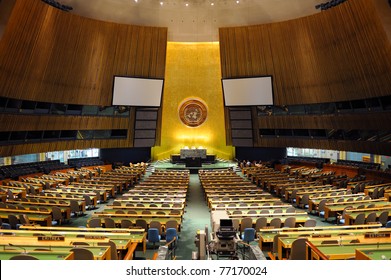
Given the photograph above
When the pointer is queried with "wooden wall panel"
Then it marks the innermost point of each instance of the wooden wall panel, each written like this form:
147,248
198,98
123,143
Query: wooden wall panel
53,56
369,121
31,123
339,54
339,145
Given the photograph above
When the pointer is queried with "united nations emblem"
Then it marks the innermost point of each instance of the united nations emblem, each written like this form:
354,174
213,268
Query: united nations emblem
193,112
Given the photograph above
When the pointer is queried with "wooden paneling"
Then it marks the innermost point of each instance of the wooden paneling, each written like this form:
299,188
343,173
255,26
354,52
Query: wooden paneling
339,54
366,121
53,56
31,123
339,145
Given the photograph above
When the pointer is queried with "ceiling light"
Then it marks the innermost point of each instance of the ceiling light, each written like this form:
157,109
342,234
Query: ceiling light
187,4
212,4
161,3
237,1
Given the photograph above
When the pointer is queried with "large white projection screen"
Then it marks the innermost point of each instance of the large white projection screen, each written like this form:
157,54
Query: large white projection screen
248,91
128,91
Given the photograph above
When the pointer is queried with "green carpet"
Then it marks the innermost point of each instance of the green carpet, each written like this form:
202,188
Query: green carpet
195,218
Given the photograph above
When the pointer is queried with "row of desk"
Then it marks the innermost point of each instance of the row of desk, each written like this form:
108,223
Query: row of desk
158,203
326,242
57,241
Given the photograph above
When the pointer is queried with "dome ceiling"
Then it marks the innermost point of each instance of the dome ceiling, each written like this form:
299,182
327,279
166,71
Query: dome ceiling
193,20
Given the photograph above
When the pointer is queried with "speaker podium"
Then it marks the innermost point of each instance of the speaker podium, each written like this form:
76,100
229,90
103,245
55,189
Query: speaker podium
193,162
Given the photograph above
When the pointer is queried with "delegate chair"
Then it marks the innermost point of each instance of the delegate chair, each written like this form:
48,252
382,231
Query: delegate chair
175,212
310,223
383,218
371,218
75,209
153,236
88,202
109,222
82,254
23,257
260,223
321,207
171,234
341,217
24,220
290,222
275,222
126,223
298,249
157,225
142,224
246,223
13,221
304,201
171,224
94,223
171,238
4,225
291,210
293,197
360,219
248,235
375,193
57,216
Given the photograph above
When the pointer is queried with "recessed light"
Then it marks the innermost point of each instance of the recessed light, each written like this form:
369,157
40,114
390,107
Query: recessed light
161,3
237,1
187,4
212,4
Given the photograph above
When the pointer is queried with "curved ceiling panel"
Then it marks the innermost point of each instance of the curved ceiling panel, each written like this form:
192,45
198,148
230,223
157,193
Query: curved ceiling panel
193,20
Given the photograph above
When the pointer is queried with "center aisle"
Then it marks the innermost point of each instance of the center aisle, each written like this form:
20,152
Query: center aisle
197,215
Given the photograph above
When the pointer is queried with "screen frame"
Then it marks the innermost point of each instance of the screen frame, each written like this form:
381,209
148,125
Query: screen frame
249,77
142,78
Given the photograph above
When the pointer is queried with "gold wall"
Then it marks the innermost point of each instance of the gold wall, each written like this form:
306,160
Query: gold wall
193,70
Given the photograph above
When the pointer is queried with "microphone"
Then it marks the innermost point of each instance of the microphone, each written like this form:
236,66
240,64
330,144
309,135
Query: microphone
24,249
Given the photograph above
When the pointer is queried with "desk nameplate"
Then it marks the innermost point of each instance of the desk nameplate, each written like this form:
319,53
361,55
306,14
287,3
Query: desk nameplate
51,238
377,235
94,237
